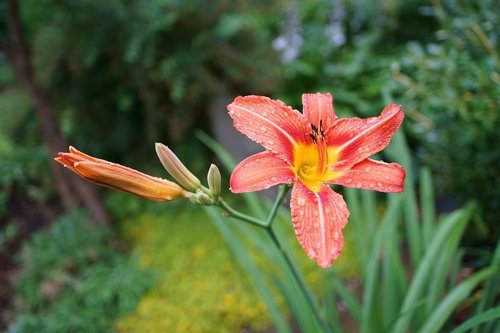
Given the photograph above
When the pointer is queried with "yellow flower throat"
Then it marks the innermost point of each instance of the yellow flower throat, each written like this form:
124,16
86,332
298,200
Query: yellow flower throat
313,161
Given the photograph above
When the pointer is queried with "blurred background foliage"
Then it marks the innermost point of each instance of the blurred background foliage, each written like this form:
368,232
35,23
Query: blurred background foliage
74,277
193,296
122,75
451,88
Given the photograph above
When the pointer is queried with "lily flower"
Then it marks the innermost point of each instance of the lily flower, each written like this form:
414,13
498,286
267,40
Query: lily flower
310,151
119,177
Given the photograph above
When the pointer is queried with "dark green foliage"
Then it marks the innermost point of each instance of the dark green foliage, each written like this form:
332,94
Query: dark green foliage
123,74
346,48
73,279
451,89
23,160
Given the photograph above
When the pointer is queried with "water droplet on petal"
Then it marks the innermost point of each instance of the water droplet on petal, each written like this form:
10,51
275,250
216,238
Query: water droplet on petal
311,253
348,181
274,179
336,235
368,169
379,184
318,245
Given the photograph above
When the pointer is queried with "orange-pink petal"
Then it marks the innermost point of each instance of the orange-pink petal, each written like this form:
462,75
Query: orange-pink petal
271,123
357,139
318,219
259,172
318,107
116,176
374,175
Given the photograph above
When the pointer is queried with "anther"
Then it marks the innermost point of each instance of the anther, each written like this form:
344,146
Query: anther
321,129
314,128
313,137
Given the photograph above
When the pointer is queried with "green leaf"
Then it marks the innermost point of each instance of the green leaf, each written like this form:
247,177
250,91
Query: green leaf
371,279
357,222
442,313
345,294
491,288
256,275
427,205
456,220
478,319
449,251
413,234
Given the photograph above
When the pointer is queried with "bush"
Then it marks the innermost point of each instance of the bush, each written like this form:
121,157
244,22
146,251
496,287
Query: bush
450,88
74,279
346,48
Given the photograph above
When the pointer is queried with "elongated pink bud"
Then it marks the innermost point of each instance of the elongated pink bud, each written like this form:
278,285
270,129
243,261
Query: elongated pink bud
119,177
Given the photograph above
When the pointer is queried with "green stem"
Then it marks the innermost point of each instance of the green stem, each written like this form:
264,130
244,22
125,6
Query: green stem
240,216
267,225
298,278
282,191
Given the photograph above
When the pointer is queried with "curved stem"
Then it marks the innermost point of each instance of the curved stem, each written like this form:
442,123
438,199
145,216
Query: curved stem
240,216
282,191
298,278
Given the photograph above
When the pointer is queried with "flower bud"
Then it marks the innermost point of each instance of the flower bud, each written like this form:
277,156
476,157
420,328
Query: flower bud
201,198
214,180
176,169
120,177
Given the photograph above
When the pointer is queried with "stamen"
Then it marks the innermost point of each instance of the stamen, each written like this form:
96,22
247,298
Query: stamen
313,138
315,129
318,137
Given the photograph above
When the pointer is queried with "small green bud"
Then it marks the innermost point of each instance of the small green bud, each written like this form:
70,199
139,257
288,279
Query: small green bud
214,180
201,198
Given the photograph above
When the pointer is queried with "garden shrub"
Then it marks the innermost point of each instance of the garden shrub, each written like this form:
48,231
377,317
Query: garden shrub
450,88
73,278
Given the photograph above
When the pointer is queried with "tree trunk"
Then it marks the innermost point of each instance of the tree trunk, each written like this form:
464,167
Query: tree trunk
72,189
